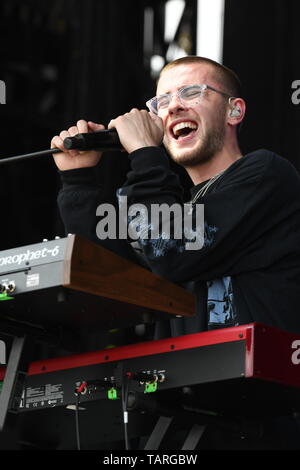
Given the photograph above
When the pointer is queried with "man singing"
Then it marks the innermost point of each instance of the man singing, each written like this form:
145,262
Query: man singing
248,267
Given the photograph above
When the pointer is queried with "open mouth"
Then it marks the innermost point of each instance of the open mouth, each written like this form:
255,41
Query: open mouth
184,129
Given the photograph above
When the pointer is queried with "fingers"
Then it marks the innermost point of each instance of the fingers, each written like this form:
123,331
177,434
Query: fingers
70,133
93,126
114,122
58,140
55,142
88,126
73,130
136,129
81,127
111,124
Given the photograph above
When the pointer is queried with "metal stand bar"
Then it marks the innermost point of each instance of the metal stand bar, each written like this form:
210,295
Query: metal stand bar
158,433
10,378
193,437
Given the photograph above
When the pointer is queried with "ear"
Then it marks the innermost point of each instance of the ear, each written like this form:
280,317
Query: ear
236,111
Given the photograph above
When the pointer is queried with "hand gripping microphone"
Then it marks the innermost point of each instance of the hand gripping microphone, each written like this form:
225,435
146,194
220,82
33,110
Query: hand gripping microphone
106,139
103,140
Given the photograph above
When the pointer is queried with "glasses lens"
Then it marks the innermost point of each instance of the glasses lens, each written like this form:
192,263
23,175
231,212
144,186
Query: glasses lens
152,105
162,101
191,94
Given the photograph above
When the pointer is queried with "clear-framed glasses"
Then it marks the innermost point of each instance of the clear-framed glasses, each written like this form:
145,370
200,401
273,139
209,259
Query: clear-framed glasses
190,95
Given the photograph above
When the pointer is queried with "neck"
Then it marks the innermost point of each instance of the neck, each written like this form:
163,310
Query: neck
219,162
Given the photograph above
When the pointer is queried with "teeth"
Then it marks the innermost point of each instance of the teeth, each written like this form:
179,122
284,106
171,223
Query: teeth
183,125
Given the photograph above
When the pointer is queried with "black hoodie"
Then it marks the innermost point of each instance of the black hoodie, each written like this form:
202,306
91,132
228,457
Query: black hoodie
249,266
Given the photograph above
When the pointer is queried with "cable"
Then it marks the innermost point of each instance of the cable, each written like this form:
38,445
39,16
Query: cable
124,409
77,421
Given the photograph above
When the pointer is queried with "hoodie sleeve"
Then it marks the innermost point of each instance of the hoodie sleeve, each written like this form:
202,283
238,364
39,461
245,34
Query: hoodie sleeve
78,201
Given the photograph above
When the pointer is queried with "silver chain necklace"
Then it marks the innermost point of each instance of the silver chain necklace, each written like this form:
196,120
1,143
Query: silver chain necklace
204,188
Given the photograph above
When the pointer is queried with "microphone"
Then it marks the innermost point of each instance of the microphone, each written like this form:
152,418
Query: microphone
106,139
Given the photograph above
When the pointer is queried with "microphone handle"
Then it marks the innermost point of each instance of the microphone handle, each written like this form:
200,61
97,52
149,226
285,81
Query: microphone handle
106,139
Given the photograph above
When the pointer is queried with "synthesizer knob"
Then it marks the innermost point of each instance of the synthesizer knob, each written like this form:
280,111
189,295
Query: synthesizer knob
57,237
7,288
161,377
10,287
45,240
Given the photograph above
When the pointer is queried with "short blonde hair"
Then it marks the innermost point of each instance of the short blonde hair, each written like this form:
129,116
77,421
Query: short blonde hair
227,78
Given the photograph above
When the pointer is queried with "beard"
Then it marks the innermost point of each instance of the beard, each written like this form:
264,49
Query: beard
210,144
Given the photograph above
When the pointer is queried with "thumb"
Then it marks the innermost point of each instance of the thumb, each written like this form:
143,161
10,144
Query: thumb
157,120
93,126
